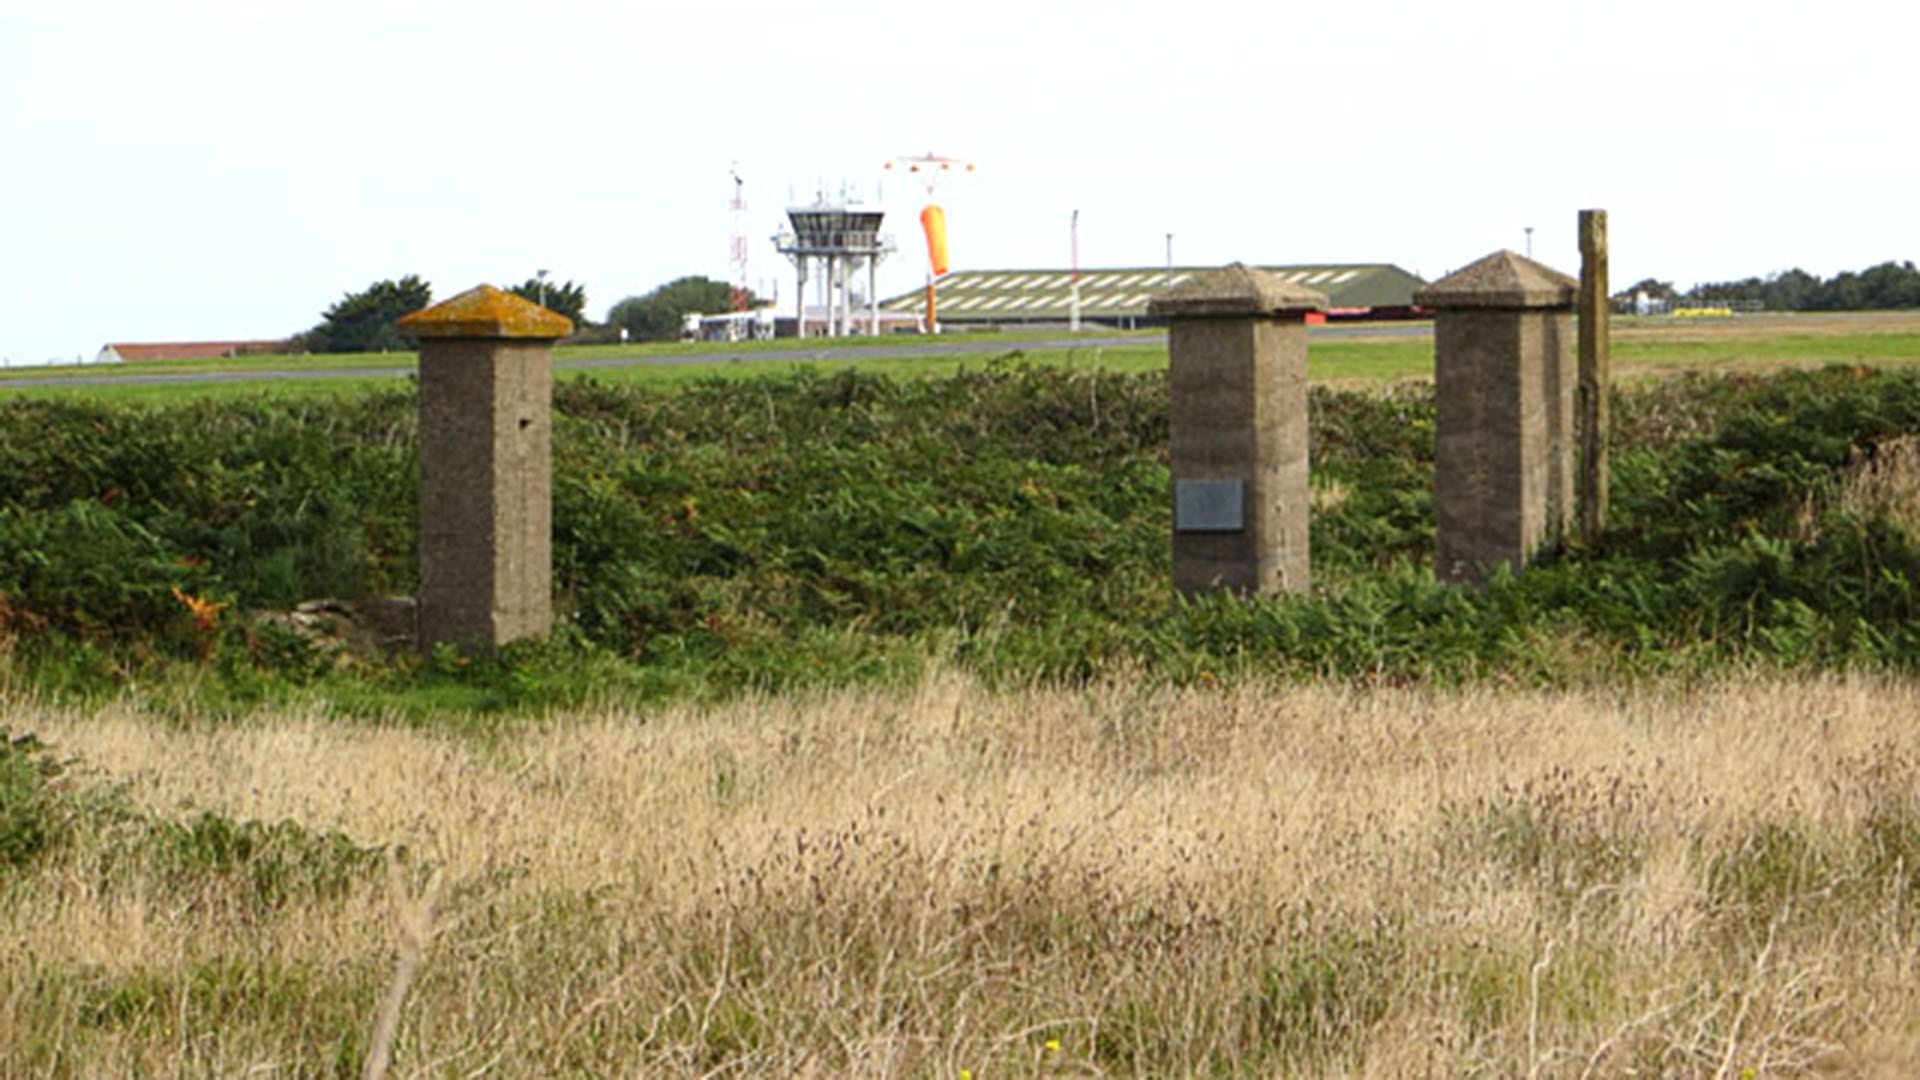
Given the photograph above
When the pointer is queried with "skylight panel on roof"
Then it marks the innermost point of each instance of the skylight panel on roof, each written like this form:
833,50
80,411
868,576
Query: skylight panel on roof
1137,299
996,302
1343,276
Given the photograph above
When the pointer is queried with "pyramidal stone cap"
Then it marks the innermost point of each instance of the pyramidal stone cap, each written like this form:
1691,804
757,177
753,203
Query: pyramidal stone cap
486,312
1237,289
1501,280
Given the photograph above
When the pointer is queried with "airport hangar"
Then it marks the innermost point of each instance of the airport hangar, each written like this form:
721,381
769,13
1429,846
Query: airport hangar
980,299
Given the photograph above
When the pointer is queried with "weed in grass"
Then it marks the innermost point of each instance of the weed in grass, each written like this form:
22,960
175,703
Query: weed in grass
1319,998
33,817
1883,481
1567,837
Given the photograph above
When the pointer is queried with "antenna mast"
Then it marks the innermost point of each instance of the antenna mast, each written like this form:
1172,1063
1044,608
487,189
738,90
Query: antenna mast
738,248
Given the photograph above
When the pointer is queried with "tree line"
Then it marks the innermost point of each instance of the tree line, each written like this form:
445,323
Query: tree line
365,321
1889,285
368,320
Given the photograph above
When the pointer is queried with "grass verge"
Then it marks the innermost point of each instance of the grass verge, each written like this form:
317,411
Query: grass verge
1304,880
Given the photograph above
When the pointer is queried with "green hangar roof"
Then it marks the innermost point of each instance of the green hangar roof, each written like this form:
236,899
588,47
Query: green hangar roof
1012,296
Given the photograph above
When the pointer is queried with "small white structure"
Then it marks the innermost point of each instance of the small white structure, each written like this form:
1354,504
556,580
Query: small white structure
755,325
768,322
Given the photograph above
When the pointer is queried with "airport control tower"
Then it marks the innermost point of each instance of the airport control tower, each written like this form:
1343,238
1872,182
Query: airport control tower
837,238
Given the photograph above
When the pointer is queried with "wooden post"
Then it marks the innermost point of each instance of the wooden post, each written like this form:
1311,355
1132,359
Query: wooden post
1594,375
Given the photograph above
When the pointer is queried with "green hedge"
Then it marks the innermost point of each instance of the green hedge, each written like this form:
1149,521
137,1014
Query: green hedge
822,529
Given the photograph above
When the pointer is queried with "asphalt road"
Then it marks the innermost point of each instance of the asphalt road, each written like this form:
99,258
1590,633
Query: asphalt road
908,348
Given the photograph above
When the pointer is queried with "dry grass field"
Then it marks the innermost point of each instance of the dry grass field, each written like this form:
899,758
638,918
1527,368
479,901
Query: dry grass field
1706,880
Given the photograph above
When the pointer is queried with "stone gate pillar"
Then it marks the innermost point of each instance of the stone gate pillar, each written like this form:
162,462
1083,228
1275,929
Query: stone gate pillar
486,484
1504,385
1237,380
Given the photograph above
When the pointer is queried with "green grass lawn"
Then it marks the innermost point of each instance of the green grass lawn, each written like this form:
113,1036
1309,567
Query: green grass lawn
1639,348
1787,349
637,352
767,358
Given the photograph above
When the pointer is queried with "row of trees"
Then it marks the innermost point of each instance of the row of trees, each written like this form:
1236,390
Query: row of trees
658,315
1887,286
568,299
367,321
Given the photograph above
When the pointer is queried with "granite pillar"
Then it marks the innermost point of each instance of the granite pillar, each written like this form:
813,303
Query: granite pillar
1504,381
486,436
1237,374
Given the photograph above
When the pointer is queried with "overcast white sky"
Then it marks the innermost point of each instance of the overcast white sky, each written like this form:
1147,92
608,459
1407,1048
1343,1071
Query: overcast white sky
225,170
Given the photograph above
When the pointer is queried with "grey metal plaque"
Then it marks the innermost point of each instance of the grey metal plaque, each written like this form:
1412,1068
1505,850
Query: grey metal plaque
1208,506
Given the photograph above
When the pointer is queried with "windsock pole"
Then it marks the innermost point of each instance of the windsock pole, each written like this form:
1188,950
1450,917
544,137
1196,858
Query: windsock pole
929,168
933,221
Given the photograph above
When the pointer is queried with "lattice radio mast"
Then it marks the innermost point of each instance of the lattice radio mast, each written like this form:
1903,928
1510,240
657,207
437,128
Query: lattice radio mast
738,248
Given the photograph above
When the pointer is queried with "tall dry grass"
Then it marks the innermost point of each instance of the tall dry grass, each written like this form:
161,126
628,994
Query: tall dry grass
1886,483
1711,881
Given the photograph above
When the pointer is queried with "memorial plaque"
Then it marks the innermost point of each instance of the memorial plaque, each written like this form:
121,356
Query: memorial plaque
1208,506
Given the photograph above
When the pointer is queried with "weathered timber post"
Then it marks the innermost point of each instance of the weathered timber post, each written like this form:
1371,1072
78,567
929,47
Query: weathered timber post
1503,380
1595,362
486,483
1237,380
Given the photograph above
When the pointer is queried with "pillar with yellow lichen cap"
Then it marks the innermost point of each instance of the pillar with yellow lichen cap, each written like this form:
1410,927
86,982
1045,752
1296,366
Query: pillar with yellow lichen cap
486,480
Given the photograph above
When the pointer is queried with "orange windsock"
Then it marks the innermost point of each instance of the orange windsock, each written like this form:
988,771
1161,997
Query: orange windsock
933,221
